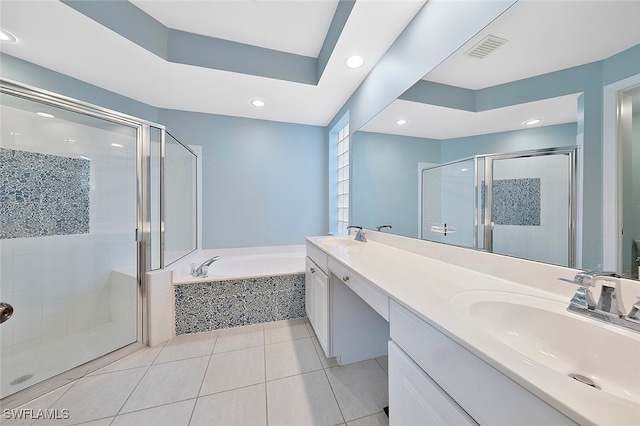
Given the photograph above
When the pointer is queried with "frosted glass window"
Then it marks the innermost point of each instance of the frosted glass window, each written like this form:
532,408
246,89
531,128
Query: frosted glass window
343,179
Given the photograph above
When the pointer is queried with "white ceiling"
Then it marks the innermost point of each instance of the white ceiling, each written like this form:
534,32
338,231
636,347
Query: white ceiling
289,26
58,37
543,36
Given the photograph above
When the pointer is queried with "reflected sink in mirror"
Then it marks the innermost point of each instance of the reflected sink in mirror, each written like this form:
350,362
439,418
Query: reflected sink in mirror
542,330
339,242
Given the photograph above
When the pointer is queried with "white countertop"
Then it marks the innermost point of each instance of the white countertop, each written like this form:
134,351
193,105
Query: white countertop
425,286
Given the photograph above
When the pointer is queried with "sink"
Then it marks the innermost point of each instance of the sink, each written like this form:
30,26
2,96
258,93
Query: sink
544,332
339,242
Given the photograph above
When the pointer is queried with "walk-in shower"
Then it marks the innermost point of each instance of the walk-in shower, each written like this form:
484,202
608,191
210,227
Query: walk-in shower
80,224
519,204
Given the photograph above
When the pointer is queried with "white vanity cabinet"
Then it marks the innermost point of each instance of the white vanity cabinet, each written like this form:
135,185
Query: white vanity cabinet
415,399
317,302
488,396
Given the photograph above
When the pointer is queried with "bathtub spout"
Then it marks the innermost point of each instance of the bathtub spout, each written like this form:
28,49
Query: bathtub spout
198,272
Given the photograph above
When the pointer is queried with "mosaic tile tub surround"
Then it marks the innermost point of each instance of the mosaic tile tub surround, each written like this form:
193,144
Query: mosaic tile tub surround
207,306
515,201
42,194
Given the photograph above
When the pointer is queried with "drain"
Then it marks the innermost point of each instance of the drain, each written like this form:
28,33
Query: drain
584,379
21,379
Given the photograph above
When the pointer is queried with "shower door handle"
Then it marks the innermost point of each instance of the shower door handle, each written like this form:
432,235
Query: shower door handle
6,310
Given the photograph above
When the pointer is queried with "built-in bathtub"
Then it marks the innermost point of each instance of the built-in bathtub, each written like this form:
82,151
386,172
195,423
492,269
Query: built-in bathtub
246,286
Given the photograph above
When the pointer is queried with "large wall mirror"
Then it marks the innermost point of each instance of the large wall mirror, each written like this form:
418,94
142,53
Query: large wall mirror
525,94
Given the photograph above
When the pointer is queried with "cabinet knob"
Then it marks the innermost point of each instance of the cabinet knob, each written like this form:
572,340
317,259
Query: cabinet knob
345,278
312,270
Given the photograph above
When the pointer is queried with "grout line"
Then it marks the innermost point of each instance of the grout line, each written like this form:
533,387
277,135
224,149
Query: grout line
206,370
344,420
141,378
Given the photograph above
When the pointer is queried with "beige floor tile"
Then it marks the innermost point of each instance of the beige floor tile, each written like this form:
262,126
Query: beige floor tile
142,358
383,361
41,403
326,362
379,419
305,399
97,397
232,339
238,407
168,382
232,370
360,388
187,346
176,414
291,358
312,332
101,422
282,331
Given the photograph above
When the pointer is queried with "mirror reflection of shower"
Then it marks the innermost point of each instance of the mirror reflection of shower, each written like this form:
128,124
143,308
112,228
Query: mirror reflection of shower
519,204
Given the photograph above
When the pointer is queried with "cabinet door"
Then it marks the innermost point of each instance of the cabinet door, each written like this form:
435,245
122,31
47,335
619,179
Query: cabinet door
321,310
415,399
317,303
309,302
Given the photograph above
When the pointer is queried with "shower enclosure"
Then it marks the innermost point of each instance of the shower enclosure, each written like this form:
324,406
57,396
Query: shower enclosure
80,225
519,204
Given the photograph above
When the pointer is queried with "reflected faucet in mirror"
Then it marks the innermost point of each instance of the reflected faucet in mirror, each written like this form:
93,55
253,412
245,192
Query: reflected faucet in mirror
383,226
360,236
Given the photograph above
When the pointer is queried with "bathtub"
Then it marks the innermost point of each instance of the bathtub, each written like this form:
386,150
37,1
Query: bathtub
246,286
243,265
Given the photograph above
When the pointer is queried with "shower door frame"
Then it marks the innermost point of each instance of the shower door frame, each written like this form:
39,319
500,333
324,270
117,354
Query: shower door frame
142,233
571,151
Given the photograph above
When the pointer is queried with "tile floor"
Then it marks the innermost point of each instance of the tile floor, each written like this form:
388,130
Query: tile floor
265,374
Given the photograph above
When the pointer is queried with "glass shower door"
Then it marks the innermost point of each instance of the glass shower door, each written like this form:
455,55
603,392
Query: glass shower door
68,254
448,203
531,207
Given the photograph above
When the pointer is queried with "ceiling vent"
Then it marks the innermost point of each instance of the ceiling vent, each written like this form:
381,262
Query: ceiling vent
485,46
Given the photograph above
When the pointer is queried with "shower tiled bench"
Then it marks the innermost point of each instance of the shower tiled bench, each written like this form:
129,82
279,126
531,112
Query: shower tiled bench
213,305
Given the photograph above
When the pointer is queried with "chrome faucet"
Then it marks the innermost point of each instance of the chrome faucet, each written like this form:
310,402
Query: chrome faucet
201,271
360,236
609,307
384,226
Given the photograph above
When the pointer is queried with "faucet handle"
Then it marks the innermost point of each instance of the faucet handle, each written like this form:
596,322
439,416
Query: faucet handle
634,313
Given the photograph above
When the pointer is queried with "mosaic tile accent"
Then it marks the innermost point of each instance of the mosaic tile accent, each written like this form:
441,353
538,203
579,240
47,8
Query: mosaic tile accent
43,194
233,303
515,201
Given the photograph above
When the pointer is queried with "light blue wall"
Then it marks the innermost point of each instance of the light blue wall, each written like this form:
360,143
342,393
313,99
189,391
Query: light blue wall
519,140
264,183
385,180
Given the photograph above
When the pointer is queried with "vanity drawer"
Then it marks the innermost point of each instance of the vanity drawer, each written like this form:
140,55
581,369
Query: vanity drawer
319,257
471,382
375,298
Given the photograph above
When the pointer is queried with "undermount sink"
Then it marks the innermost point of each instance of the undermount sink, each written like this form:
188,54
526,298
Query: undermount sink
339,242
543,331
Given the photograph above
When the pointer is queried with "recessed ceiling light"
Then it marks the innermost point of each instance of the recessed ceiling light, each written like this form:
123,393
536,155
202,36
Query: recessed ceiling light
45,114
257,103
7,36
117,145
532,122
355,61
402,122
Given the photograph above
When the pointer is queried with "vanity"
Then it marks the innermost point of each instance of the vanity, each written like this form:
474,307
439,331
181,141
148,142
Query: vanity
472,338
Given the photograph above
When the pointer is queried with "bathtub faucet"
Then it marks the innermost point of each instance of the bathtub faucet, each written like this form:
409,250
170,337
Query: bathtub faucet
198,272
